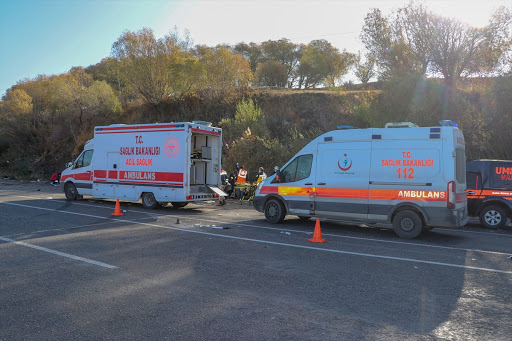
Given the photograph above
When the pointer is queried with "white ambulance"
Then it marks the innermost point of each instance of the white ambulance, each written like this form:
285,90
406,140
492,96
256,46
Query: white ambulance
160,163
404,177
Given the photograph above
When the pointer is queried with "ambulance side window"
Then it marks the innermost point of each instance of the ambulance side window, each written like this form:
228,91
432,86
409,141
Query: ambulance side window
298,169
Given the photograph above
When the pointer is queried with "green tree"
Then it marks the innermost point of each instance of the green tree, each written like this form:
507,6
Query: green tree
251,52
248,116
400,43
146,64
365,70
323,63
413,40
286,53
460,50
45,119
271,73
224,69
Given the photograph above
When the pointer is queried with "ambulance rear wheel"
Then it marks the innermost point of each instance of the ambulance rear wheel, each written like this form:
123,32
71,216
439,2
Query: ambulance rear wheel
407,224
274,211
70,191
179,204
149,201
493,217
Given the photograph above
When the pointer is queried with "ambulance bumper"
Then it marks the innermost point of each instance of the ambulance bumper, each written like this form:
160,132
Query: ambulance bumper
258,203
447,218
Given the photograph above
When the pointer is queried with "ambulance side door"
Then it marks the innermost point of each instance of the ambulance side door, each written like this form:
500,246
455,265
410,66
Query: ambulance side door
82,172
342,180
106,176
296,184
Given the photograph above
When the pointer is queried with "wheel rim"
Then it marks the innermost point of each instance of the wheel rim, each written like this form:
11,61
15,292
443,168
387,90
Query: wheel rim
272,210
149,200
492,217
407,224
70,191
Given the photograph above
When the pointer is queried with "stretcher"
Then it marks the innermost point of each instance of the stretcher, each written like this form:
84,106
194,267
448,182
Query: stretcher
245,192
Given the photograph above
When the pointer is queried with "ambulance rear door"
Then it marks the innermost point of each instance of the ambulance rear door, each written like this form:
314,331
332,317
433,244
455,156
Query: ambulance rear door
342,180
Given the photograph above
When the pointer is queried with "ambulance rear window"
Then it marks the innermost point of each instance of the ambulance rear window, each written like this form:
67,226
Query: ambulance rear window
460,165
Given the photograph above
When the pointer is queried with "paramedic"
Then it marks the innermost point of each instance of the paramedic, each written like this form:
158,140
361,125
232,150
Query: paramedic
242,175
223,184
230,190
241,179
261,175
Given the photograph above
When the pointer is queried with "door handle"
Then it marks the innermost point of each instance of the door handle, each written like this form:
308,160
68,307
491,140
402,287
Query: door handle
308,184
471,192
321,183
88,171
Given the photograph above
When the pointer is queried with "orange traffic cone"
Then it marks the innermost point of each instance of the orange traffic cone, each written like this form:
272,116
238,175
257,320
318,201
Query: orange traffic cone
317,235
117,210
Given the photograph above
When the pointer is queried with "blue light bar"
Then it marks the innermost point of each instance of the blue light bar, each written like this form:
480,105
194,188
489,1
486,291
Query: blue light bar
448,123
208,124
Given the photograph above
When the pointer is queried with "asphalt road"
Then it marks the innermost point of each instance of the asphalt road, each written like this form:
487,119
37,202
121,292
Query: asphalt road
71,271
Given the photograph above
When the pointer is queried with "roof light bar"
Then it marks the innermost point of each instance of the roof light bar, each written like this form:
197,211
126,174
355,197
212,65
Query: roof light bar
448,123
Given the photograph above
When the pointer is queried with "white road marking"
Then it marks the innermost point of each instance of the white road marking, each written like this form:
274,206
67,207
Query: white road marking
323,234
58,253
270,242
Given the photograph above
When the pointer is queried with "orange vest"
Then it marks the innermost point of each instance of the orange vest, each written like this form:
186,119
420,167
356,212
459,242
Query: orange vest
242,176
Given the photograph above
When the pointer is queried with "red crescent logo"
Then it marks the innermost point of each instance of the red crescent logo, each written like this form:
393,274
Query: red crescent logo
345,169
171,147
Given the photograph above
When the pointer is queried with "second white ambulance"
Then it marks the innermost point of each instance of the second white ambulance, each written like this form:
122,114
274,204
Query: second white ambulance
404,177
158,163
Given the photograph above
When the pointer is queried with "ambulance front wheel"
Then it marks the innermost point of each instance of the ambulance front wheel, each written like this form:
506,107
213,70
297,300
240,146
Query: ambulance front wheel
407,224
149,201
70,191
493,217
274,211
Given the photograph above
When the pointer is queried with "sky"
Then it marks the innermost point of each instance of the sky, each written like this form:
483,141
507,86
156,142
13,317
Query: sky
52,36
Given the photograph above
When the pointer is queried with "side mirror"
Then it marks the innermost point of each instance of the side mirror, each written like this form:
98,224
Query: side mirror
278,175
69,164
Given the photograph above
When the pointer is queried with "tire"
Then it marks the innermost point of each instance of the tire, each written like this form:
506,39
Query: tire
179,204
407,224
149,201
274,211
70,191
493,217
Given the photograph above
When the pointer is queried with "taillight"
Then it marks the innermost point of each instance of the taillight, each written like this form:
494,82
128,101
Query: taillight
451,195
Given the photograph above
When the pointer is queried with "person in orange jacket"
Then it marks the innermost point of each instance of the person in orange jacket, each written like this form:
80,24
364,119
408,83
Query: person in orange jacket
241,179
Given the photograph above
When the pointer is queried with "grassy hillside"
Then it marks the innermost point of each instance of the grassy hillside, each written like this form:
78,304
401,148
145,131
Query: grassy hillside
275,123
